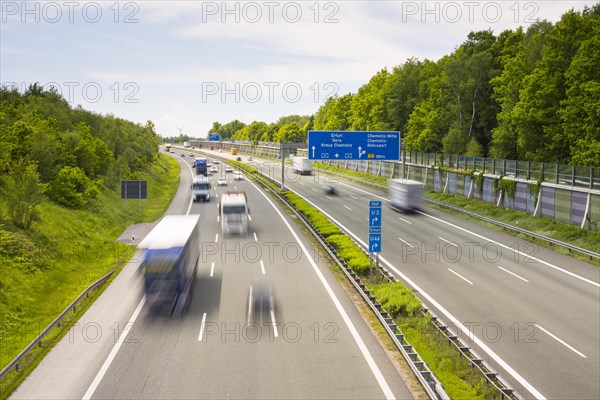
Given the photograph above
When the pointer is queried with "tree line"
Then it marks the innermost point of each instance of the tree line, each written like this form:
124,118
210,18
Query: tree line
69,155
527,94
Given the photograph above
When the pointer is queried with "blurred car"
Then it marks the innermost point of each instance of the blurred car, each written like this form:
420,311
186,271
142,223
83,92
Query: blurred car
214,170
182,154
220,150
261,305
228,169
329,189
238,176
215,161
250,158
222,182
239,159
191,154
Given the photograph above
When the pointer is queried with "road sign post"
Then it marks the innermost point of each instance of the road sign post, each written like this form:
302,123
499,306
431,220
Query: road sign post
374,235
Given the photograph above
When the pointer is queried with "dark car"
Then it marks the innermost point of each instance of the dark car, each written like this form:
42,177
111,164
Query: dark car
329,189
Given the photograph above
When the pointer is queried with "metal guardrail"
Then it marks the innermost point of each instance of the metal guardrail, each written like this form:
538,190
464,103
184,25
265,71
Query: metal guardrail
421,370
14,364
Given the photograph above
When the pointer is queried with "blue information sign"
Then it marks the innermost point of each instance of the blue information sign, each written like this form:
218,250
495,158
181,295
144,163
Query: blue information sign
214,137
375,226
375,243
353,145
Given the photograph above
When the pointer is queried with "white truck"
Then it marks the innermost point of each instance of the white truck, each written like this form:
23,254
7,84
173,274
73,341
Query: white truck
234,211
405,195
187,145
302,165
201,188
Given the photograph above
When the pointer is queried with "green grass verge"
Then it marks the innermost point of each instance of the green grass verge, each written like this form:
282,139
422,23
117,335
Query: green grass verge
459,379
44,269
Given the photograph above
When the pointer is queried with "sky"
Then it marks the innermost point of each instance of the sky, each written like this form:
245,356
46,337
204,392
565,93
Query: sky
186,64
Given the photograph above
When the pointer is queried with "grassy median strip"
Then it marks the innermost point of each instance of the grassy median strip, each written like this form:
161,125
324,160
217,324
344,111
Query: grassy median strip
459,378
46,268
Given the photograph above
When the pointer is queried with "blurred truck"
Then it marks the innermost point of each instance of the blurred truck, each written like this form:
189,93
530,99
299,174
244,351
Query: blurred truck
234,213
200,164
405,195
234,151
302,165
201,188
170,257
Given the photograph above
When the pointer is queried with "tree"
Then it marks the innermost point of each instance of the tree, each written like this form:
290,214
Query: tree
290,133
24,193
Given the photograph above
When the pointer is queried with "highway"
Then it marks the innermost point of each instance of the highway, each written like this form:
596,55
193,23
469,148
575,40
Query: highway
315,345
532,314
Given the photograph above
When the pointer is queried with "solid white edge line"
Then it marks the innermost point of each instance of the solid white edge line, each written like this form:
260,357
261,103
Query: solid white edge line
387,391
562,342
113,353
447,241
406,243
275,333
460,276
513,274
402,219
212,268
202,325
262,267
434,303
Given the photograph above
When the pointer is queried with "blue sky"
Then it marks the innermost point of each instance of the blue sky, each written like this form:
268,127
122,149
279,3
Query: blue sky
187,64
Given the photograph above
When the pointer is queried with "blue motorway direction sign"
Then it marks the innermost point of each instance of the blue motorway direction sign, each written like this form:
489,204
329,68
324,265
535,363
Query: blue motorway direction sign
374,243
353,145
374,217
375,226
214,137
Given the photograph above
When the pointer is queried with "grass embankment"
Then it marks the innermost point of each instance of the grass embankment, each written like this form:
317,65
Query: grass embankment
44,269
459,379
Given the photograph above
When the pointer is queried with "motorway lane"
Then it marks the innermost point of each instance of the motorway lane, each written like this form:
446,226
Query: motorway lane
68,369
560,304
314,354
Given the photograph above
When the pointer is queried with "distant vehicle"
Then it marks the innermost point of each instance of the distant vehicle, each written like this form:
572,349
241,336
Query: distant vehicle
215,161
170,257
201,188
261,307
238,176
200,164
329,189
214,170
234,213
220,150
250,158
182,154
222,182
238,159
191,154
302,165
228,169
405,195
234,151
168,147
186,144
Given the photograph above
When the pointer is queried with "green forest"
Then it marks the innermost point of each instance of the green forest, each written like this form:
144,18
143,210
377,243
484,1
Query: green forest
49,149
529,94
